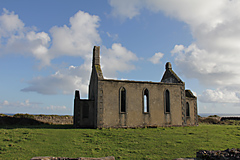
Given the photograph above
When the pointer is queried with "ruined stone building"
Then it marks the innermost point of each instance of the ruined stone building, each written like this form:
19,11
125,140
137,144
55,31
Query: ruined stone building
126,103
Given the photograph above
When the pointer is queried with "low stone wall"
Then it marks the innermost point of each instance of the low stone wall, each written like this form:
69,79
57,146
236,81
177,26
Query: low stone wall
210,120
27,119
228,154
54,119
65,158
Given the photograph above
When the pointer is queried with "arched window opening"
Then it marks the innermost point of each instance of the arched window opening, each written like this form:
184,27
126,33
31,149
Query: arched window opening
123,99
146,101
187,110
167,101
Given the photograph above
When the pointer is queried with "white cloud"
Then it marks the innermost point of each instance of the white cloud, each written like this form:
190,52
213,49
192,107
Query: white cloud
9,24
26,103
77,39
56,108
18,39
215,25
125,8
113,36
64,81
155,59
115,59
5,103
220,95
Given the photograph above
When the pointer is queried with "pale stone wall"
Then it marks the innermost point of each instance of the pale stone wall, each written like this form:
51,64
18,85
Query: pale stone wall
54,119
134,115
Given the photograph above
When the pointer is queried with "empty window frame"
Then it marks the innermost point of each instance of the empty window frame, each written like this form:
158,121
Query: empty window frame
122,100
167,101
145,101
187,110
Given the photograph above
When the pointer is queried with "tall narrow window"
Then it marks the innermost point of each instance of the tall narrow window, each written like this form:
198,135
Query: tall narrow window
123,99
146,101
167,101
187,110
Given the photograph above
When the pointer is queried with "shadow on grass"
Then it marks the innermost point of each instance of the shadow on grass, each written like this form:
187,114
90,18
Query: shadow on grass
7,122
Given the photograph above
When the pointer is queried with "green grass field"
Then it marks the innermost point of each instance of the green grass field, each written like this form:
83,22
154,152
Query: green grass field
142,143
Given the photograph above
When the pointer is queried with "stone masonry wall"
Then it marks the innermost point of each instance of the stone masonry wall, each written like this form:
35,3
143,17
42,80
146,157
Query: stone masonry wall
54,119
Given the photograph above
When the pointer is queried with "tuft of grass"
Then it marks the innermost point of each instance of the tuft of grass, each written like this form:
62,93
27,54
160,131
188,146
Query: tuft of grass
19,142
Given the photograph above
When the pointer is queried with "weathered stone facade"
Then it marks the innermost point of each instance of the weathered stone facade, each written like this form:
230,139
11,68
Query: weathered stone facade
125,103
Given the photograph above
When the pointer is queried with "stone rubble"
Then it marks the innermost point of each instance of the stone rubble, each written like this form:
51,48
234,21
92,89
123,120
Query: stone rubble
228,154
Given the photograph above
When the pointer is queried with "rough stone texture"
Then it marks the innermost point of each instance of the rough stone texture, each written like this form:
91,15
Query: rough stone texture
54,119
210,120
134,115
228,154
103,105
192,101
35,119
65,158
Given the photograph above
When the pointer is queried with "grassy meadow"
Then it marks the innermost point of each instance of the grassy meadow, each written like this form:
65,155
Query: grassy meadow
143,143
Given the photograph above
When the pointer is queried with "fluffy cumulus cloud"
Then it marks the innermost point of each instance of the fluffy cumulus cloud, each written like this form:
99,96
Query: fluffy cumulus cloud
213,58
117,59
10,24
155,59
75,39
79,38
16,38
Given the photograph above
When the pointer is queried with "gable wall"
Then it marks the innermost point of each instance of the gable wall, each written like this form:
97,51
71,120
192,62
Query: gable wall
134,116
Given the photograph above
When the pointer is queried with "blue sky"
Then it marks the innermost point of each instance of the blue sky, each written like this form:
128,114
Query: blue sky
46,49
